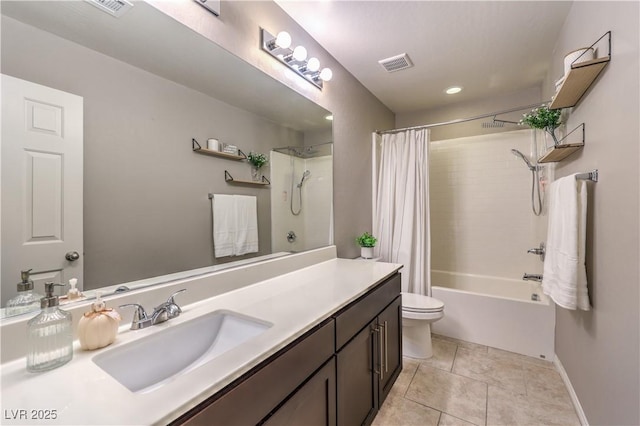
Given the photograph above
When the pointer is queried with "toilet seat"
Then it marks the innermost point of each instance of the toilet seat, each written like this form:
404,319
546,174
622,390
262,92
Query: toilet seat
418,303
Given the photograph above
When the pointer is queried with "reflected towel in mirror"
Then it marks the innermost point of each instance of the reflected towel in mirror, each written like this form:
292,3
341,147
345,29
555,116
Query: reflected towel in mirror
235,225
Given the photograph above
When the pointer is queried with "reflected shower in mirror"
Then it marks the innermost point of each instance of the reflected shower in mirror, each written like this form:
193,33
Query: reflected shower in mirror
301,197
146,86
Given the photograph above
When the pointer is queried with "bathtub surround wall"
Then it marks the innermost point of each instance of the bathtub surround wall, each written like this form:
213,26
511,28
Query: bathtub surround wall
356,111
600,349
481,206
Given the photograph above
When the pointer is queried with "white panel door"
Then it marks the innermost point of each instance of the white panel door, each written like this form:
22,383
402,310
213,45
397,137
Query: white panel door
42,141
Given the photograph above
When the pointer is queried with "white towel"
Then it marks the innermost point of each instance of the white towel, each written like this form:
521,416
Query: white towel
246,240
224,224
235,225
565,275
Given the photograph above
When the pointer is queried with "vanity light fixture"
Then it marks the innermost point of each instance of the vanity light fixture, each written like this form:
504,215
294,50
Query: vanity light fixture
296,59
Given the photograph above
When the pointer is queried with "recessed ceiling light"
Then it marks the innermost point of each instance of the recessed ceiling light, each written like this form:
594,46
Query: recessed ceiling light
453,90
329,117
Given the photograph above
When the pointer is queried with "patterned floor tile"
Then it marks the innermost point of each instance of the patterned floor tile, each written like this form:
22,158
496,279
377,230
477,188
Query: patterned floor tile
458,396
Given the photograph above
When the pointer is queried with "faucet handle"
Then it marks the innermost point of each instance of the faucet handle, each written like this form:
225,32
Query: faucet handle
173,309
171,301
139,316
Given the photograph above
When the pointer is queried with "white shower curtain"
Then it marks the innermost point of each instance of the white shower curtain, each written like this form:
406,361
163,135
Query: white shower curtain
401,218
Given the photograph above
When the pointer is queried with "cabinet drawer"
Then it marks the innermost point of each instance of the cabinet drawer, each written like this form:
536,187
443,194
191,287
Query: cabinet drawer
254,398
360,313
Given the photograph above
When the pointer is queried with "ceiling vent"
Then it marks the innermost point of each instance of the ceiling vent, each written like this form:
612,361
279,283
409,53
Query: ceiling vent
115,8
396,63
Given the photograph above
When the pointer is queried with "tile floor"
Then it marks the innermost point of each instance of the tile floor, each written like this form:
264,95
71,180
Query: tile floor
467,384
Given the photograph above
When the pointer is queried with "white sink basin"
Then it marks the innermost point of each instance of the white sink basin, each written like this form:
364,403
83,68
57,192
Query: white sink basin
151,362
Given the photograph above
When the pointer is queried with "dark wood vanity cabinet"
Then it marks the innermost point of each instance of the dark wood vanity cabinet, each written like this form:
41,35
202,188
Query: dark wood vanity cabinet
340,372
282,382
368,360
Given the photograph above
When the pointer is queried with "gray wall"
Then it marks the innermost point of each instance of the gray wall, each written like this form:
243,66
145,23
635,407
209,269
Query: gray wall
145,192
356,111
599,349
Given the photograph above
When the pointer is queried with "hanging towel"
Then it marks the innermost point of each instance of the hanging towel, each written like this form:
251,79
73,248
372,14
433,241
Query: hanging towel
224,224
565,275
246,239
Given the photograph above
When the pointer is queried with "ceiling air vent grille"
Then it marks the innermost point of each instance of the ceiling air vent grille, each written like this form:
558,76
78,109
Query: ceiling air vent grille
115,8
396,63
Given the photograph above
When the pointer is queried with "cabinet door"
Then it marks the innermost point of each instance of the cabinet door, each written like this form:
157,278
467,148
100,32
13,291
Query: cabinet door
390,326
314,404
357,383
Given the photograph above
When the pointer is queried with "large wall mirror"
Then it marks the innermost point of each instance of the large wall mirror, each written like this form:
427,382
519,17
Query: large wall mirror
138,88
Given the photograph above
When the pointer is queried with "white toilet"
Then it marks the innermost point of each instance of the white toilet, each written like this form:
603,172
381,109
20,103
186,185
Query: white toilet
418,312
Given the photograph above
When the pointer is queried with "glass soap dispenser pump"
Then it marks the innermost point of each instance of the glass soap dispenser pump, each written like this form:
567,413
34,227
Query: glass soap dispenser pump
50,335
27,300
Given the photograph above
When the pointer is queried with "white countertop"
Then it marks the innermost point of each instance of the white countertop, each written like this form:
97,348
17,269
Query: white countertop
82,393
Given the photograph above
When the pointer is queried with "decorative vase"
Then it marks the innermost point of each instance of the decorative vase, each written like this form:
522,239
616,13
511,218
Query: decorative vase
255,174
551,131
366,252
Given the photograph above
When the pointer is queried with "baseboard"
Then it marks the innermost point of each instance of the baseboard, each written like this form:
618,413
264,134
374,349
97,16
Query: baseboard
572,393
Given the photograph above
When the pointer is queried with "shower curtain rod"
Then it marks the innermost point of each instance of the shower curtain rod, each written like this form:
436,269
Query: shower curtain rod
461,120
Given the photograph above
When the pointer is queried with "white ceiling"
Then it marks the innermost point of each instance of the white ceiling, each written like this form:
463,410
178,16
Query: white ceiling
490,48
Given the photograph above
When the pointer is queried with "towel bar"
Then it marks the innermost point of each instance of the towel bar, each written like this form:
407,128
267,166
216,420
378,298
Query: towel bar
592,176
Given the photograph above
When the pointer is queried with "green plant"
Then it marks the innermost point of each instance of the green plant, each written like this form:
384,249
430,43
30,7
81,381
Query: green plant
257,160
366,240
543,118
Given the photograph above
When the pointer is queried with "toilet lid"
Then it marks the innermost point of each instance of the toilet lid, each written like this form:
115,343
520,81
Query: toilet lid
412,302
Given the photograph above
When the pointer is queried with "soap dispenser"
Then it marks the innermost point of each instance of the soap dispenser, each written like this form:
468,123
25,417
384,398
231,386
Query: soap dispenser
49,334
27,300
74,293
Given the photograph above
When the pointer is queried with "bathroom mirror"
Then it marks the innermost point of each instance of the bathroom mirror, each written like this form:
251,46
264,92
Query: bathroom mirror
149,85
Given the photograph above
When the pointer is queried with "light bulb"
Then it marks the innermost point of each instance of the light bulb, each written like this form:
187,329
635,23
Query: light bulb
299,53
326,74
283,39
313,64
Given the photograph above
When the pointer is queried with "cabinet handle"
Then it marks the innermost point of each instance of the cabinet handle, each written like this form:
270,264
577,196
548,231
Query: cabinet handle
373,364
386,349
381,346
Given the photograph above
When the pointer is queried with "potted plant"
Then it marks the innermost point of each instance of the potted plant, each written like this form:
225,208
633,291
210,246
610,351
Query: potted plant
257,161
545,119
366,242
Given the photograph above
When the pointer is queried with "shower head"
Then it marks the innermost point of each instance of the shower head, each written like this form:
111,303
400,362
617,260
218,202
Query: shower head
305,175
525,159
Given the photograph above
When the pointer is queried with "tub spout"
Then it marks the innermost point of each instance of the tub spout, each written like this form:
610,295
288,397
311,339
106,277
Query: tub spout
532,277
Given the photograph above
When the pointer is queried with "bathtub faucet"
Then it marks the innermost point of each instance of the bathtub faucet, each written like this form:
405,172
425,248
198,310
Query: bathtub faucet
532,277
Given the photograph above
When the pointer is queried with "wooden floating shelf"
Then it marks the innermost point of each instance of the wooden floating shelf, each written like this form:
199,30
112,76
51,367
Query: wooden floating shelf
218,154
560,152
229,179
195,146
578,80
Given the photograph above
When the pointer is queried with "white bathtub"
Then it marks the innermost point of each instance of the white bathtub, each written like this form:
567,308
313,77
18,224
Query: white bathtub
496,312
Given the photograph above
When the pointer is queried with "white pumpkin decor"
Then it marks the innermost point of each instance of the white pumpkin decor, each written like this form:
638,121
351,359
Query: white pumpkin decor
98,327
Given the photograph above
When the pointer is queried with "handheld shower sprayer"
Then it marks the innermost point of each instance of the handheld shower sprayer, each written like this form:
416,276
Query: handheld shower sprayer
535,184
305,175
525,159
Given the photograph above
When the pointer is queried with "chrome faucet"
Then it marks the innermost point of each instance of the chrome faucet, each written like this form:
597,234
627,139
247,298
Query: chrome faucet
167,310
532,277
161,313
